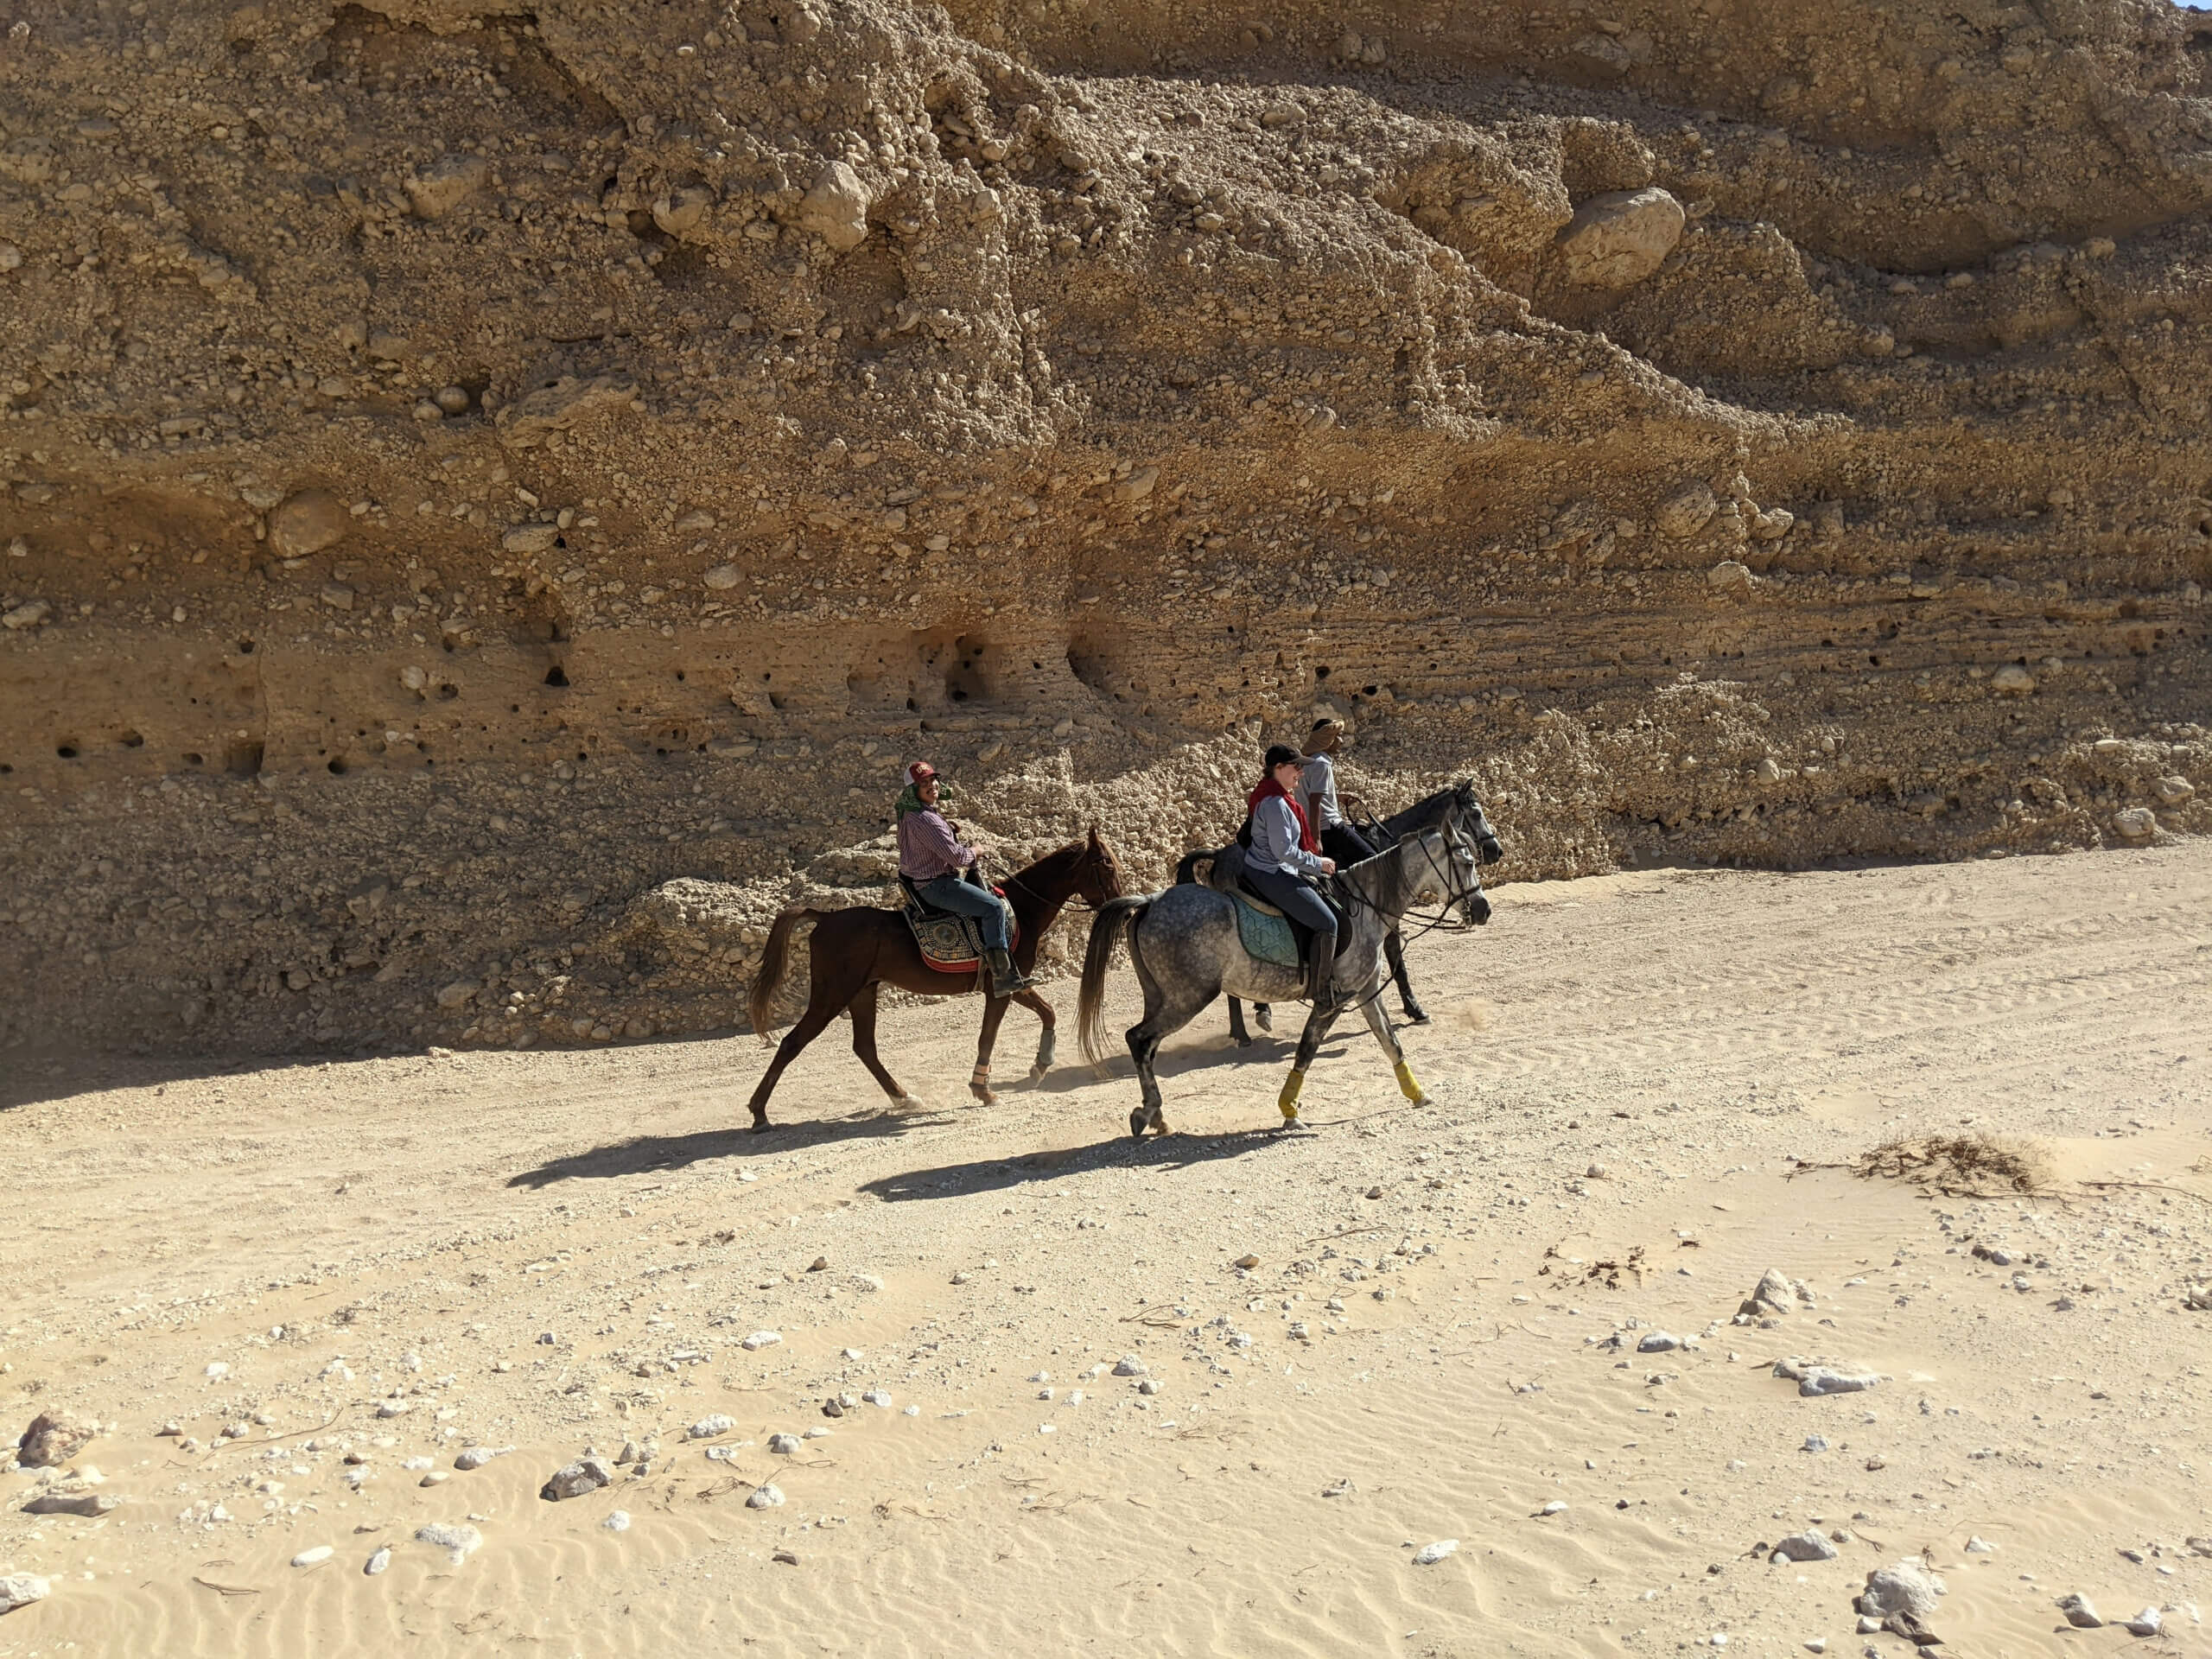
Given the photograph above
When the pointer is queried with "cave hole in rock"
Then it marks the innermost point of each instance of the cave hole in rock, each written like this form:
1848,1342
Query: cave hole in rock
131,740
448,692
245,647
243,757
192,758
67,751
556,676
338,766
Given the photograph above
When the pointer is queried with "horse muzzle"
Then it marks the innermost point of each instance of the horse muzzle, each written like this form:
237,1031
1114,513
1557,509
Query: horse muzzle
1491,849
1476,910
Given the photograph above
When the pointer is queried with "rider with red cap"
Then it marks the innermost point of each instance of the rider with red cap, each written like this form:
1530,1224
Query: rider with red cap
932,857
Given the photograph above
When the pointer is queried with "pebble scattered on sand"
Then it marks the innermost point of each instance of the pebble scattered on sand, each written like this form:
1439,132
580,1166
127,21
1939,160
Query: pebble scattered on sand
617,1521
314,1557
378,1560
764,1497
1430,1554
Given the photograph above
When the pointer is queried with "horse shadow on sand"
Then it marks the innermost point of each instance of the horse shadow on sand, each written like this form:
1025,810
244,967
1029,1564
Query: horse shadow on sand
1168,1154
649,1154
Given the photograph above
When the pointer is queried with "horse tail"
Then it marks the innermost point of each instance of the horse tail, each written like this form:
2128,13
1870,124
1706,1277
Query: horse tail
772,963
1115,918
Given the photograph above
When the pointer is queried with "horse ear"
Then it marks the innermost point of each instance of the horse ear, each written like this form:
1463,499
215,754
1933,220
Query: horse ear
1094,835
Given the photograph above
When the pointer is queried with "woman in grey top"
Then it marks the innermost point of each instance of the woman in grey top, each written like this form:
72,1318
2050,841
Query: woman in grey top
1282,853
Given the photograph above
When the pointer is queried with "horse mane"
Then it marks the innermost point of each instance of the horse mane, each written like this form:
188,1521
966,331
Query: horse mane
1423,813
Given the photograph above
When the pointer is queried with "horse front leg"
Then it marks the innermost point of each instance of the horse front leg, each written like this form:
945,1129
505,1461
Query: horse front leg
1237,1034
1309,1044
1045,1039
979,1086
1379,1023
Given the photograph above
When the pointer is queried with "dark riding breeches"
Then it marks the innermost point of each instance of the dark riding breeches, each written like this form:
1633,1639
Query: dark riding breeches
1345,844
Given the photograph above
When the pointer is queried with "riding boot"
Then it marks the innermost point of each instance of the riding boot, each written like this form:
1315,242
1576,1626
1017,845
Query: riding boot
1321,967
1006,978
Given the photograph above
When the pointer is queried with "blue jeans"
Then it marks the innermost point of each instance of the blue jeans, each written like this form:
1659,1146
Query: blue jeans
951,893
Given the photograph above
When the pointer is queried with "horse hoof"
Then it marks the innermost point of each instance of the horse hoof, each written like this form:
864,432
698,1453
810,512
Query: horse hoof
984,1097
1037,1072
761,1126
1138,1120
1416,1016
1243,1042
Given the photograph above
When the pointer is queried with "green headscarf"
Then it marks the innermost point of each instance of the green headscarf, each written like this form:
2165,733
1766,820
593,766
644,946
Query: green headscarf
910,800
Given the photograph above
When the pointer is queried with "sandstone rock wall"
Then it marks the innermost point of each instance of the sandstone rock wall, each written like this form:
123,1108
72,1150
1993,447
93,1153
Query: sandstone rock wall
465,469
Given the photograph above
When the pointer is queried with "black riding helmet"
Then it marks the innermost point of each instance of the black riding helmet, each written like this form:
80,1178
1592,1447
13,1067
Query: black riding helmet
1279,754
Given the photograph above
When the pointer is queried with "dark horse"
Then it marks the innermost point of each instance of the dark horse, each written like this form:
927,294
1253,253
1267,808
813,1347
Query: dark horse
854,951
1393,947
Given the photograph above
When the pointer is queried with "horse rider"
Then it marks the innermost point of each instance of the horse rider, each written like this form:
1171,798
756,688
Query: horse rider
1340,839
1282,853
931,858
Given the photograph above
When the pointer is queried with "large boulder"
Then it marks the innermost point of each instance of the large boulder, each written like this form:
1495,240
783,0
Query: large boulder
1618,239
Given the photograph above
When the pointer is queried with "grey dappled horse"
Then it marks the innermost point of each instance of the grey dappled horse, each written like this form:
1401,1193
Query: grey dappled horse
1185,946
1393,947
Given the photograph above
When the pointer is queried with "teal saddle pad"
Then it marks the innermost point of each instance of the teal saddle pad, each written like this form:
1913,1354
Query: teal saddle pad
1266,938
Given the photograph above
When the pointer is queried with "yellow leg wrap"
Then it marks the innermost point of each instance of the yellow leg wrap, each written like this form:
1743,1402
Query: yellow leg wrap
1406,1086
1289,1099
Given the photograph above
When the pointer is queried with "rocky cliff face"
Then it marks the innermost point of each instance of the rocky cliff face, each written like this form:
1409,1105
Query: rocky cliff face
466,469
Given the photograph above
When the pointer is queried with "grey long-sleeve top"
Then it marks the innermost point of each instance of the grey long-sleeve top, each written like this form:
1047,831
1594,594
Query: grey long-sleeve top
1274,841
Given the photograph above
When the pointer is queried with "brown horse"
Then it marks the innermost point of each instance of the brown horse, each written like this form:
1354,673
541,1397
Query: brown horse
854,951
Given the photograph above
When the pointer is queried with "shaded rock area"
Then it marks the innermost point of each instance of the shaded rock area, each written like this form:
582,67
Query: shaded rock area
460,472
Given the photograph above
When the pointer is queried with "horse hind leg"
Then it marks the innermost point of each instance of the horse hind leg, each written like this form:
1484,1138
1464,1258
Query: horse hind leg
1237,1034
1144,1038
862,1008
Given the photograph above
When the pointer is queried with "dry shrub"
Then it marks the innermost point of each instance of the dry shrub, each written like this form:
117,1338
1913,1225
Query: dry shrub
1961,1165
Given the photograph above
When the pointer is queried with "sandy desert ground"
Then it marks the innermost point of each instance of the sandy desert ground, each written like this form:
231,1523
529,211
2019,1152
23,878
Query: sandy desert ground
335,1280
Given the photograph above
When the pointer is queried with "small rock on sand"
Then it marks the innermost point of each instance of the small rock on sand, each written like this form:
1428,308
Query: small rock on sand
458,1542
1131,1365
574,1479
761,1339
1980,1546
617,1521
707,1428
1905,1587
21,1589
2146,1623
378,1562
91,1505
1660,1342
785,1445
2079,1614
52,1439
314,1557
1430,1554
475,1457
764,1497
1820,1380
1807,1546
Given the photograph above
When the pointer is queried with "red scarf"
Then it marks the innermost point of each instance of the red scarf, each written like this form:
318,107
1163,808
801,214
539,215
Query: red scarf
1268,787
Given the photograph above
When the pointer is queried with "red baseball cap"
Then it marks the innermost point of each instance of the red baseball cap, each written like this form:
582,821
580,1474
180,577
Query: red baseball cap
918,771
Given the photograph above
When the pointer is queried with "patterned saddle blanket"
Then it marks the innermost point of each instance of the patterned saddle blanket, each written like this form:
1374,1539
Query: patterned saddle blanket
1265,934
950,944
